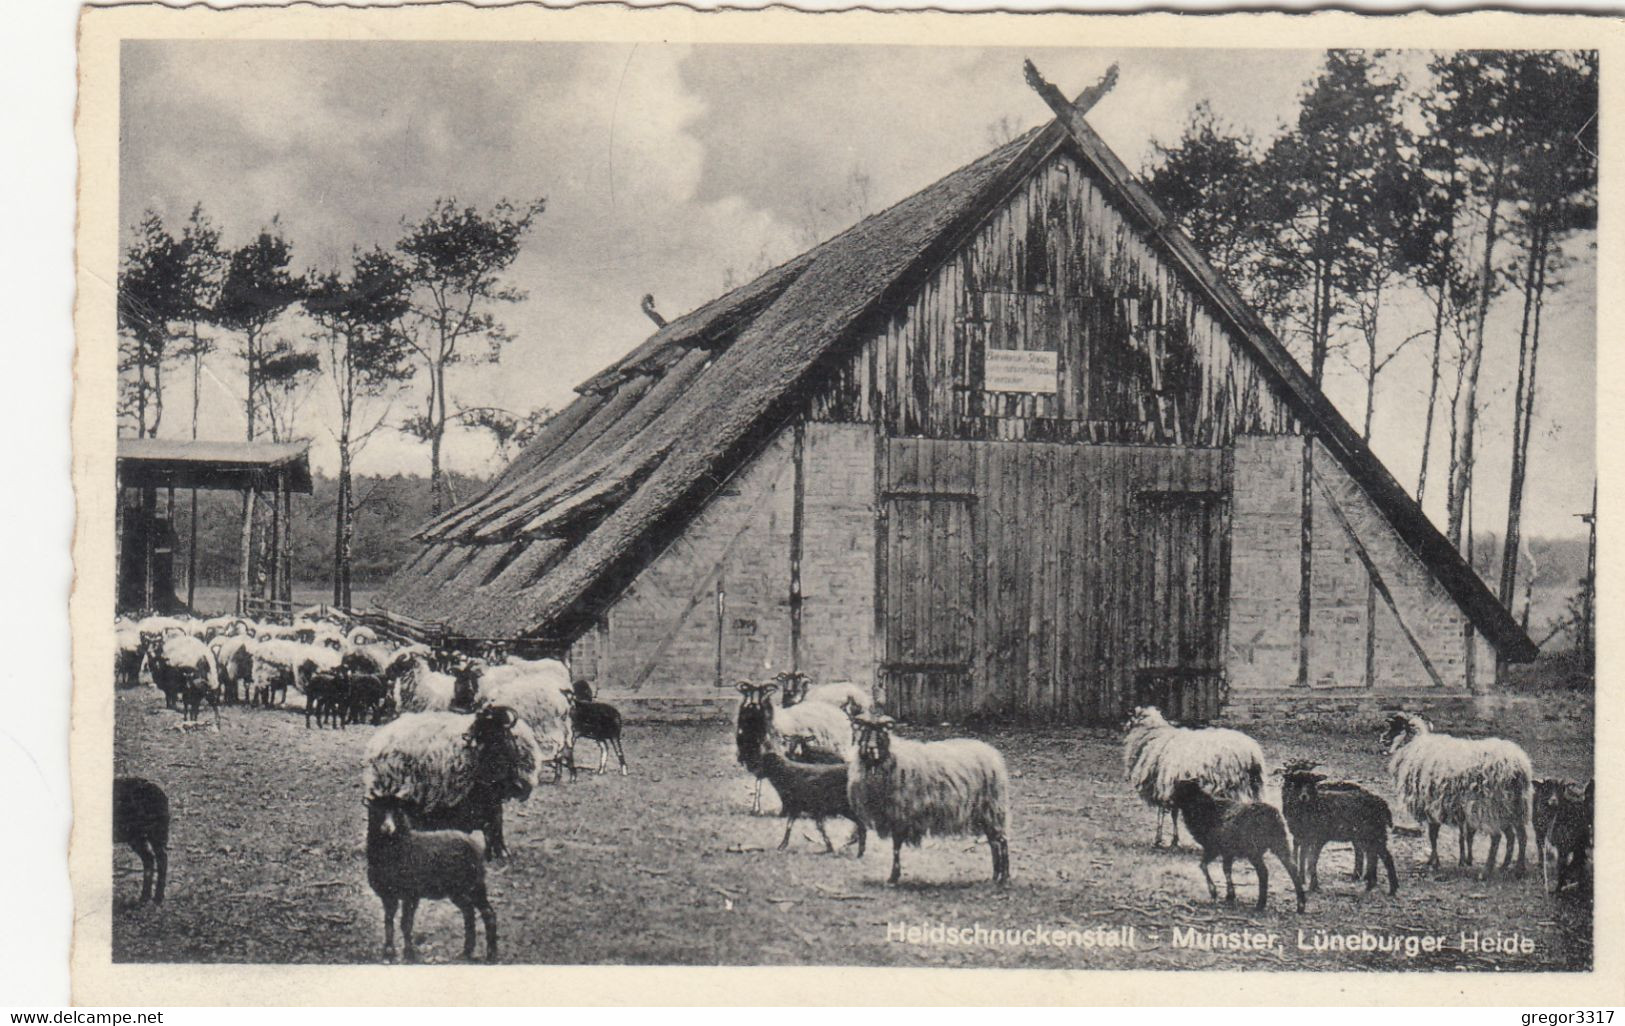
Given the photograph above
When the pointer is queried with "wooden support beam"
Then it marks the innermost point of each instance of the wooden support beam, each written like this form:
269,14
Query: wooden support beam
798,456
273,544
245,567
287,539
1306,560
1377,581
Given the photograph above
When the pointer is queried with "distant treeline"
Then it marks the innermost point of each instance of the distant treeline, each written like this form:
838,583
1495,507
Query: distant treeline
388,510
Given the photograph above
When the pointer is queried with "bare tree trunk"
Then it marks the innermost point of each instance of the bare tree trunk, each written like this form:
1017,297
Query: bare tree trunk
1523,398
1463,475
437,427
1433,391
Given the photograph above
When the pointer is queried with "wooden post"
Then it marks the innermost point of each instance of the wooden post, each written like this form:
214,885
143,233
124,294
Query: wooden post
245,570
274,543
722,609
1306,560
1588,594
287,540
797,519
191,556
118,544
149,513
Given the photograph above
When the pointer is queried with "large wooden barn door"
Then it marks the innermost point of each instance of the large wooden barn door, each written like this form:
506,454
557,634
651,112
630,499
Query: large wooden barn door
929,598
1051,582
1182,592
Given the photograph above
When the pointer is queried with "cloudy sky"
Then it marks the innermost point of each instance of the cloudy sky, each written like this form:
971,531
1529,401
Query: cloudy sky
670,170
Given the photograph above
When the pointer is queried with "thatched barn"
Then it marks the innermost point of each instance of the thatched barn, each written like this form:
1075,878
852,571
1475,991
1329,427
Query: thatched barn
1010,447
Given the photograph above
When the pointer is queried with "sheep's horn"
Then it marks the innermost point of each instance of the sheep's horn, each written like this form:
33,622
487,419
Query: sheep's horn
510,715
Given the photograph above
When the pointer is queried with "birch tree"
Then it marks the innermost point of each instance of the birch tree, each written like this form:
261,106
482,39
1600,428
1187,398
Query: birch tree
367,360
455,259
1555,186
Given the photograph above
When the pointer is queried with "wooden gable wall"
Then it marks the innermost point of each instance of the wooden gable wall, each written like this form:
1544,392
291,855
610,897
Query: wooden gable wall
1057,267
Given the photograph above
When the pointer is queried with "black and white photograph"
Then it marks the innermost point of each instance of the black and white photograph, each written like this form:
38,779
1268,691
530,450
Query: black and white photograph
675,501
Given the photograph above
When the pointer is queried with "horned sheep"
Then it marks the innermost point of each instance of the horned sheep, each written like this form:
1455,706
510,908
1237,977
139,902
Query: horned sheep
820,732
456,769
1470,784
798,689
909,790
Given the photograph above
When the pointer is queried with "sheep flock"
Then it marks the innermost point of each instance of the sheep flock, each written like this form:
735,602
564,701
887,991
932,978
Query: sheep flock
455,738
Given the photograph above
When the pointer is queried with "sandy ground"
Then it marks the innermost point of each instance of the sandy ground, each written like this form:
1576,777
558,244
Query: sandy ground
667,865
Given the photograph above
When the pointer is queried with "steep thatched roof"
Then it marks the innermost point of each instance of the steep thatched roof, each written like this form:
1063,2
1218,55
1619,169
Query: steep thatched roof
653,436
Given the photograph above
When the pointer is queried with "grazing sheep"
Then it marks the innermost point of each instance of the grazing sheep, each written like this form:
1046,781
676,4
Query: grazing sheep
404,866
141,820
805,789
909,790
1468,784
596,721
1571,832
824,732
1232,828
456,769
844,695
1157,754
1318,814
420,689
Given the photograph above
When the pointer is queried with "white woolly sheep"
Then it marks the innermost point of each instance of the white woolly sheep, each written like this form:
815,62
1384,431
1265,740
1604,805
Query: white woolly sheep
845,695
418,688
910,790
128,653
532,689
1472,785
235,655
1157,755
280,662
455,769
181,664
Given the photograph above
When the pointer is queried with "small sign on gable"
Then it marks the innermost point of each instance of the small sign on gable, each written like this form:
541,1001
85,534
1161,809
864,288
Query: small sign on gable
1020,370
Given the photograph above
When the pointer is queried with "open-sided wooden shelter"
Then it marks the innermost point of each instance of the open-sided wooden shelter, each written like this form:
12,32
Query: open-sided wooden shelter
1010,447
146,539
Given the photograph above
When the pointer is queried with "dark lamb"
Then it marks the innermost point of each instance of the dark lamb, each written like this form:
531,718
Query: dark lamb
141,820
405,865
596,721
813,789
1232,828
1319,814
1571,832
